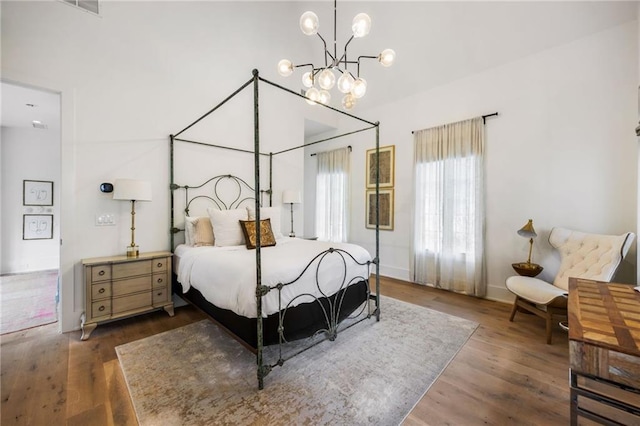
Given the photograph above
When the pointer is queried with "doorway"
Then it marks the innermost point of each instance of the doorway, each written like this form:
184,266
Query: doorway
30,206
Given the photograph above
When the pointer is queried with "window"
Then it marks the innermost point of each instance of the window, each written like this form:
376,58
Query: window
448,249
332,195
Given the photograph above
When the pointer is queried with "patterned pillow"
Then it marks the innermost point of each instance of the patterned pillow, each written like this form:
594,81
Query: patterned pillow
266,234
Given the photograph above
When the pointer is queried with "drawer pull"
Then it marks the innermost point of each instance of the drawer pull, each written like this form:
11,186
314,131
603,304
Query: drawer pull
101,273
159,265
159,280
102,290
101,308
159,293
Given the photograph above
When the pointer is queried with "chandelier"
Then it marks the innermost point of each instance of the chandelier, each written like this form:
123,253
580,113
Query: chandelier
353,86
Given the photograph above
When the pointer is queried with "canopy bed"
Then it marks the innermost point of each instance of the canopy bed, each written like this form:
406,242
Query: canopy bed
265,288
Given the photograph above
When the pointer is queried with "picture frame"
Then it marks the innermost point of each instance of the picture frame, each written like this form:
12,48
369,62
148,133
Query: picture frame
37,226
37,193
387,167
386,209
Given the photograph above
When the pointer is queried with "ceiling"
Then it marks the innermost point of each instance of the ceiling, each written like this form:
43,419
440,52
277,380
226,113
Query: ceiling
435,42
22,105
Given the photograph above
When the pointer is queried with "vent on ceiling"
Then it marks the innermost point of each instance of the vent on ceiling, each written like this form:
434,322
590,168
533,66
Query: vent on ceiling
39,125
92,6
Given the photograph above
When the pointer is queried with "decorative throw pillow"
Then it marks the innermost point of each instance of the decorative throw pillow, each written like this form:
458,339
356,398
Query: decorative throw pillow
203,233
190,228
272,213
226,227
266,234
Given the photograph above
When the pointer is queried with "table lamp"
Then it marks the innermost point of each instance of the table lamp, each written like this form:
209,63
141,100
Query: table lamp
527,268
132,190
291,197
527,231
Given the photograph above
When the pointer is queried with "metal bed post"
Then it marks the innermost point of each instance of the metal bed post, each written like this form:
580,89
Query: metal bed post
377,259
171,188
262,370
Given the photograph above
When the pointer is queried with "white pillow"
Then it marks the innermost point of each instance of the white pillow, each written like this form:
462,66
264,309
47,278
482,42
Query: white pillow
226,226
189,229
272,213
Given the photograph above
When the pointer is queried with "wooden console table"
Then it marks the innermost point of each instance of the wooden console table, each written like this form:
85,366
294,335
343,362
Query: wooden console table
604,350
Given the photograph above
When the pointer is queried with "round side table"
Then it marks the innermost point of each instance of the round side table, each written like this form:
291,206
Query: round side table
527,269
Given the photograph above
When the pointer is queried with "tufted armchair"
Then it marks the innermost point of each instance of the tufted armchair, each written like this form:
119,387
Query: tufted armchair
589,256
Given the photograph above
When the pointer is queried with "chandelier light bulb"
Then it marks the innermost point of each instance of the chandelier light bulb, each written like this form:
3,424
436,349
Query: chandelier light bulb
387,57
348,101
359,88
313,95
324,97
361,25
285,68
307,79
327,79
345,82
309,23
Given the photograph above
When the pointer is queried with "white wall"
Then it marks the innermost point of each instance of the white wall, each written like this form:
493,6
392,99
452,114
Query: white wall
128,79
561,151
31,154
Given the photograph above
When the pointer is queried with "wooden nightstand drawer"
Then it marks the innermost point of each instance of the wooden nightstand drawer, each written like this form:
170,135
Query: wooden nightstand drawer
133,285
160,295
159,280
128,303
100,291
160,265
130,269
101,308
100,273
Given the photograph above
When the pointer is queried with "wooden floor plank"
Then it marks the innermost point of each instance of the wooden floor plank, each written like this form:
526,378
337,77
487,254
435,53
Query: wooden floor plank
505,374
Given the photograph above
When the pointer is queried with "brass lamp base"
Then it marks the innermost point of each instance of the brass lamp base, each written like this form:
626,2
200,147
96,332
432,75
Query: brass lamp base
527,269
133,251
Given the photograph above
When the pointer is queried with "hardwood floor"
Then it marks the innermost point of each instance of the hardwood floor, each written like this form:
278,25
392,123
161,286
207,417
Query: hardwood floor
505,373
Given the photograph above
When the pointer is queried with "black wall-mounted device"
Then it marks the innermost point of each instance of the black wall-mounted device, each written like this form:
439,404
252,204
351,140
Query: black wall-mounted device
106,187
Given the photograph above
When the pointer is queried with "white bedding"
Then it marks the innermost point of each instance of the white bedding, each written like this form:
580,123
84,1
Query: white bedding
226,276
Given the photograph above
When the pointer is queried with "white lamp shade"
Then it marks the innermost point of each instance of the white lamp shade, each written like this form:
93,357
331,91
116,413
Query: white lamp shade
132,189
291,197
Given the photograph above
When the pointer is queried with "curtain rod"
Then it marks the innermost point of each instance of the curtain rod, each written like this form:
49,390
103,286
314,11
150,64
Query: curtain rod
484,119
315,153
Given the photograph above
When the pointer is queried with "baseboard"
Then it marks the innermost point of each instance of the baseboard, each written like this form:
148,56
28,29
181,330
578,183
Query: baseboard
397,273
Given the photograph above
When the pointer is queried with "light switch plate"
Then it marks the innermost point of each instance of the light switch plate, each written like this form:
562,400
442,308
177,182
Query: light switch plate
105,219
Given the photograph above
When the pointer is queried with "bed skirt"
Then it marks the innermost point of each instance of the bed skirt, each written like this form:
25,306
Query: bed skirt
300,321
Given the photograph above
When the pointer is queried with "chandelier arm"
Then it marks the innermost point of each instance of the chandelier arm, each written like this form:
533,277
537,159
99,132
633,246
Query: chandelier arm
326,52
366,57
343,58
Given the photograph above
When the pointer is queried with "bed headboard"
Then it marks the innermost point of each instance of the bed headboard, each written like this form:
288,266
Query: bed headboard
224,192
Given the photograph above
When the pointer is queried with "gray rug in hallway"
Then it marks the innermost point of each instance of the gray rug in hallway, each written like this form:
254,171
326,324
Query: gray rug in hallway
373,373
27,300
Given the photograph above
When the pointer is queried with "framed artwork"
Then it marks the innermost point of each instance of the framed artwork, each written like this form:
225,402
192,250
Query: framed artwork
37,226
387,169
37,193
386,209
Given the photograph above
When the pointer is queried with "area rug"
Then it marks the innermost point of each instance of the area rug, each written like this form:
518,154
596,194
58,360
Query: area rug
373,373
27,300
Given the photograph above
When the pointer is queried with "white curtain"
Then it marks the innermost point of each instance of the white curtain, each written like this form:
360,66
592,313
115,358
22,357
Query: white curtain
332,195
449,216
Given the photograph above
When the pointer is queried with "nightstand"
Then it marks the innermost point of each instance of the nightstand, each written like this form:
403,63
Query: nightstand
527,269
121,286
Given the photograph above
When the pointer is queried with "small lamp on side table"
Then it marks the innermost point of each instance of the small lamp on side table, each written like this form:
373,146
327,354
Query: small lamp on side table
132,190
527,268
291,197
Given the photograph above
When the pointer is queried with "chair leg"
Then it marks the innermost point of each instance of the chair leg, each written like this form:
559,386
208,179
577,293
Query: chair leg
514,309
549,328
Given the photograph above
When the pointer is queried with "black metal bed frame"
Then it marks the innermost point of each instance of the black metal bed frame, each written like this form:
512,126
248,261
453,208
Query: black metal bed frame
331,311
